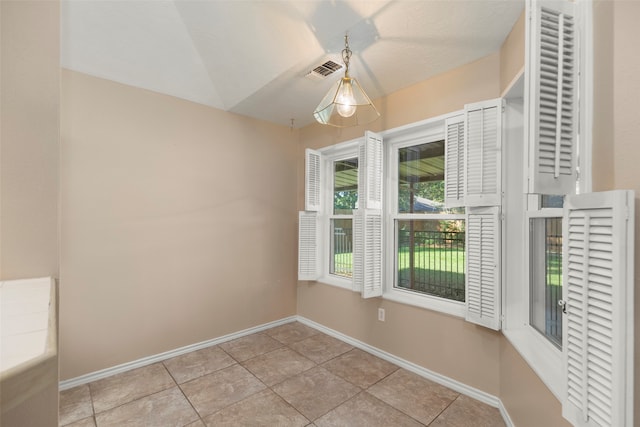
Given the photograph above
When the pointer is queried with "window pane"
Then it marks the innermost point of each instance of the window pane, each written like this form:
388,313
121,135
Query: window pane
552,201
341,247
546,277
421,179
345,186
431,257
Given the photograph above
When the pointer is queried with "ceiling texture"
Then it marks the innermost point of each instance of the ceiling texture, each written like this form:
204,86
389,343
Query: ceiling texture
253,57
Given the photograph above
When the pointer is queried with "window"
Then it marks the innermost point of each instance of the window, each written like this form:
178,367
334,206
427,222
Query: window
345,200
429,238
545,314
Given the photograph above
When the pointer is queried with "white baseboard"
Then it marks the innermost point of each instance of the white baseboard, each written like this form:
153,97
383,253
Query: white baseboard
97,375
409,366
461,388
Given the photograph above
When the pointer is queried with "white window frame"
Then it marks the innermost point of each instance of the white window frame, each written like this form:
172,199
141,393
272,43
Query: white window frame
331,154
544,352
535,210
431,130
333,216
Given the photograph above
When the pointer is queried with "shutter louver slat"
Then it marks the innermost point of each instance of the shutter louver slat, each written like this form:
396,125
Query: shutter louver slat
358,263
482,159
367,219
552,98
370,172
454,162
597,286
482,297
312,180
367,252
308,265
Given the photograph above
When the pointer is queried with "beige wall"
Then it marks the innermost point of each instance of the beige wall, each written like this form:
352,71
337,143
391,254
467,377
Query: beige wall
178,223
29,146
527,400
617,121
29,139
512,54
602,152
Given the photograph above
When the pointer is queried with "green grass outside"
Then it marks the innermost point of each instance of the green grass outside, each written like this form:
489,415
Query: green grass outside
554,269
425,258
437,271
442,259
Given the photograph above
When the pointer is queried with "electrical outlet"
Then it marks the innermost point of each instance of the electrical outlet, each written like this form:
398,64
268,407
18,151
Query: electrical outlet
381,314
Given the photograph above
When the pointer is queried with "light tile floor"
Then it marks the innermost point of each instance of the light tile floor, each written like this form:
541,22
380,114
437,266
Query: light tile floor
290,375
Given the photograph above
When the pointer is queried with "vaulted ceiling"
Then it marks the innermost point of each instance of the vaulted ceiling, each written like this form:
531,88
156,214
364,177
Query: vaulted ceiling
252,57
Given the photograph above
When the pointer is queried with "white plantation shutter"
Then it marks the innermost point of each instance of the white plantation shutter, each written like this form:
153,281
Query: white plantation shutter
370,171
308,251
598,291
367,252
482,159
482,298
454,162
552,76
312,165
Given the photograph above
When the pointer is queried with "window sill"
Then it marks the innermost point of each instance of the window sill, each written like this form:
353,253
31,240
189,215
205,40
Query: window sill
441,305
336,281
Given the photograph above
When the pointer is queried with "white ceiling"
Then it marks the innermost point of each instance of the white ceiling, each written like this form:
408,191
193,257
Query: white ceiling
251,57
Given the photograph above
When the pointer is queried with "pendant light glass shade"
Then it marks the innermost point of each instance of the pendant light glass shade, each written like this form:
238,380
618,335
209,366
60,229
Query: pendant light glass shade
346,104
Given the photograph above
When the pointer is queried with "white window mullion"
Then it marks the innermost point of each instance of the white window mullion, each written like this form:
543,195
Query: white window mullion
598,295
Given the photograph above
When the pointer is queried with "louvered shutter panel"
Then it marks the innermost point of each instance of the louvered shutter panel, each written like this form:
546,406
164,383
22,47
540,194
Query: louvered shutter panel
482,158
482,298
454,162
367,252
308,251
598,291
370,172
312,167
552,76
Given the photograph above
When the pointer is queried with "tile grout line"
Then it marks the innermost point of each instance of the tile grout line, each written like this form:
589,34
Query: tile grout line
316,365
388,403
93,408
95,414
270,388
444,409
182,392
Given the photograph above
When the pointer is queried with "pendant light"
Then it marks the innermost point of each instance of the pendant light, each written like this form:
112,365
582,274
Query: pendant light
346,104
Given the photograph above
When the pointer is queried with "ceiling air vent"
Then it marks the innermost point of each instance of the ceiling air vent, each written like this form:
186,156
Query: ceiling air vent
324,70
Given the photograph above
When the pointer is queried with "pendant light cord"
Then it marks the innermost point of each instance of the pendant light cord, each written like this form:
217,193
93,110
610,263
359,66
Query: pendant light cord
346,55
